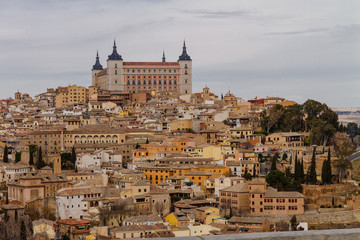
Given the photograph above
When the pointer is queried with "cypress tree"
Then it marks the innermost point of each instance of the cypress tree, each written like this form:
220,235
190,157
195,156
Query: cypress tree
32,149
147,140
17,157
6,157
297,169
273,163
73,157
31,158
311,176
327,169
40,163
246,171
302,174
254,171
23,231
324,172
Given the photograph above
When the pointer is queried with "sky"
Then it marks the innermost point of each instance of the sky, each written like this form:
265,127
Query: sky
298,49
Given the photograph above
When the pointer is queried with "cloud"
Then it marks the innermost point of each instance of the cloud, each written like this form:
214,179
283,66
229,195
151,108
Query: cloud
316,30
215,14
53,43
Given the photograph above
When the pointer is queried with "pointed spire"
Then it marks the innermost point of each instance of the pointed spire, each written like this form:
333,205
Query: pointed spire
114,55
163,58
184,55
97,65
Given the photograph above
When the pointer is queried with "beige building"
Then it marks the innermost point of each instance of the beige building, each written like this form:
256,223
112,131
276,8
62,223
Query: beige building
71,94
286,140
256,198
137,77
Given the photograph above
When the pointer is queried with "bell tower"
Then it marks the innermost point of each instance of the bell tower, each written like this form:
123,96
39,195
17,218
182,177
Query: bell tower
115,72
185,63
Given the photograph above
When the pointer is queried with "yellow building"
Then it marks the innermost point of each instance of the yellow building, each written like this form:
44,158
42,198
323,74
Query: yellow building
207,215
213,151
181,125
71,94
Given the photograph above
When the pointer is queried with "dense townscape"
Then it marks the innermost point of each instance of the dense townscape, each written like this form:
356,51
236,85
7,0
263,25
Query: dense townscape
138,154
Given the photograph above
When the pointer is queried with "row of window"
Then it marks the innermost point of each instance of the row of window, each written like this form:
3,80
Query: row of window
133,82
151,70
150,77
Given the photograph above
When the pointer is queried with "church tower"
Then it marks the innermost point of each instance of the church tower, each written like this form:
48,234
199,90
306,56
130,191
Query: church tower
185,63
115,81
97,67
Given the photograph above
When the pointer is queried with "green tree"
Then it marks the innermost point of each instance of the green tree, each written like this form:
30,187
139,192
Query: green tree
293,223
137,146
6,157
288,172
23,231
73,157
278,180
17,157
311,175
284,156
260,157
66,161
16,215
32,150
65,237
254,171
297,169
271,119
343,148
40,162
6,217
293,119
321,121
352,129
247,175
147,140
273,162
302,174
326,175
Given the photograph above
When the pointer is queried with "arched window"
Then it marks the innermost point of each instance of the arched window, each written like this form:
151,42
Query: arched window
169,81
139,82
154,82
164,81
133,82
144,82
159,81
174,81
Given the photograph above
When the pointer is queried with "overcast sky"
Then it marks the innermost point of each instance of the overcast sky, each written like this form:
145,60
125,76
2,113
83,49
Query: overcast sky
293,49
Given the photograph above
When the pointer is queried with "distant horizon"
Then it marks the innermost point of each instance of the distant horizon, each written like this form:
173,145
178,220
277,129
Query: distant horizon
265,48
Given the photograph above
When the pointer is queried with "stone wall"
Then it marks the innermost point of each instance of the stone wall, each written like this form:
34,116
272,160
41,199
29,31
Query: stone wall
343,234
328,195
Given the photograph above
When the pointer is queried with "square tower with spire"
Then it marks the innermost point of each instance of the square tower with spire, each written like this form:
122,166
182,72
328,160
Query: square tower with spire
134,77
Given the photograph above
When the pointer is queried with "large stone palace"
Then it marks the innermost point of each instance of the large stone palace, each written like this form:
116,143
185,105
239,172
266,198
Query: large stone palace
135,77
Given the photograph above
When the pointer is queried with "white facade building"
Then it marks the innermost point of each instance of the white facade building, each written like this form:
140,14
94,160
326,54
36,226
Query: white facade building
96,159
70,204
